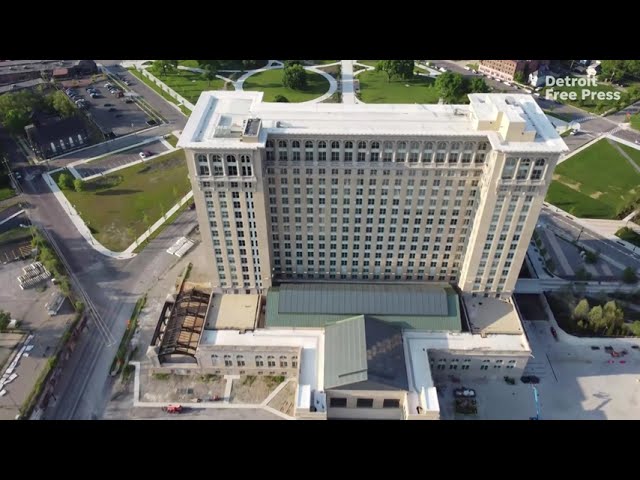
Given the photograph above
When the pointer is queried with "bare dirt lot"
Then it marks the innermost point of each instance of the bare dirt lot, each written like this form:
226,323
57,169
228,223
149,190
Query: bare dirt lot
179,388
253,389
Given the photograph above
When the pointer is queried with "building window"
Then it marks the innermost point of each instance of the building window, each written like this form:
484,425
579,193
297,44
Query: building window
227,361
271,361
364,403
338,402
259,361
215,360
283,361
240,360
391,403
294,362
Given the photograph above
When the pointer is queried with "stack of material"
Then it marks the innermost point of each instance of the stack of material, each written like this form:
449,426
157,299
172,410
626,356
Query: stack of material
8,375
33,274
181,247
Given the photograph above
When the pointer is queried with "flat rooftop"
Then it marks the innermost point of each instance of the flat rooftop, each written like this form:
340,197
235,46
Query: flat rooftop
492,315
236,312
219,119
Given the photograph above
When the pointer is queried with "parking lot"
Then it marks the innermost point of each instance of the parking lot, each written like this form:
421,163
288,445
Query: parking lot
28,307
97,167
118,115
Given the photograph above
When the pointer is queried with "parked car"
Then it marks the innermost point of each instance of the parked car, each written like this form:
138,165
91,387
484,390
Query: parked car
107,85
554,333
108,104
128,100
112,109
145,154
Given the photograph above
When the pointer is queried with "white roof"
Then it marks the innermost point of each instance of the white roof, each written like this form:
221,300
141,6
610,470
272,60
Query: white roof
218,118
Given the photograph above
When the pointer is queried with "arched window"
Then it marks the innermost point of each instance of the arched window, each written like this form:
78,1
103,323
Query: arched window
442,145
216,158
468,146
539,162
322,144
259,361
428,146
348,144
282,144
402,146
335,144
269,143
482,146
415,146
455,146
295,144
388,145
240,360
227,361
215,360
362,145
271,361
375,145
201,158
231,158
283,361
294,361
308,144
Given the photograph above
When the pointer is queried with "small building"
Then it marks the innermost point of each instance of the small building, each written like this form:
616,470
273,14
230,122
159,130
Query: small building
84,67
60,74
52,136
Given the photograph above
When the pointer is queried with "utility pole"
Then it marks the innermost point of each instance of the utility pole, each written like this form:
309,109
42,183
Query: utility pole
581,230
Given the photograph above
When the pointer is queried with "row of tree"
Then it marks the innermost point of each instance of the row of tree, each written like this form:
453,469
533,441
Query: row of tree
616,70
607,320
453,87
17,108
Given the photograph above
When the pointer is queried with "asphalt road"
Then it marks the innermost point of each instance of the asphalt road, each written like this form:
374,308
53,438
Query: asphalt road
605,246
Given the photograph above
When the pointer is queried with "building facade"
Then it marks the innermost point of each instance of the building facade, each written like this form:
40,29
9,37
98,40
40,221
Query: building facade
368,192
508,69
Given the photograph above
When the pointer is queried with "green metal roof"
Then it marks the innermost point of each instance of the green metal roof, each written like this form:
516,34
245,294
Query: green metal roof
345,353
277,318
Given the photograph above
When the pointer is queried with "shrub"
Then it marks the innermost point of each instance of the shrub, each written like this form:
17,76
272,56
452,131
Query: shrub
65,182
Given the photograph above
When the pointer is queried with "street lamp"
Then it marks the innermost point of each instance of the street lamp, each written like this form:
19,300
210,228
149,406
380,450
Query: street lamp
581,230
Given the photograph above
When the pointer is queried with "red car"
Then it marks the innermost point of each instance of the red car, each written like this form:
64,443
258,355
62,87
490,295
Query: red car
554,333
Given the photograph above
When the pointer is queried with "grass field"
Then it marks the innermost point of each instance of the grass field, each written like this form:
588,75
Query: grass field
374,88
588,104
158,90
562,116
115,205
14,235
172,139
629,235
632,152
189,84
635,121
228,65
371,63
270,82
6,192
596,183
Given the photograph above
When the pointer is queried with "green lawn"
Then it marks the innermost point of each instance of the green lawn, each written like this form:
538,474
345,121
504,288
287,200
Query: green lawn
6,192
629,235
635,121
270,82
114,206
473,66
562,116
596,183
155,88
14,235
189,84
375,88
588,104
632,152
371,63
172,139
226,65
323,62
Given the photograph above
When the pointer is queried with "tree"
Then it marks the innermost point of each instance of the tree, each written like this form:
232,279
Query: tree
519,77
478,85
581,312
78,185
583,275
61,104
450,85
595,317
612,70
396,68
165,66
212,64
65,182
295,77
5,318
613,315
629,275
16,109
209,74
282,99
291,63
